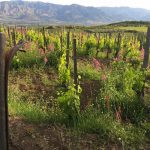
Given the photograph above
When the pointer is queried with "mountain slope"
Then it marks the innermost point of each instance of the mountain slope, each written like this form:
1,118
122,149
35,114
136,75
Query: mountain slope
39,12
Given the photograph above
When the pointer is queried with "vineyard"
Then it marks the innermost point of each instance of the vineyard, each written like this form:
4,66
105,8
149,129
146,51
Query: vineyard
78,88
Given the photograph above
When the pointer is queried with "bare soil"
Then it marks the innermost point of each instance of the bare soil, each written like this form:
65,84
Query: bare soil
29,136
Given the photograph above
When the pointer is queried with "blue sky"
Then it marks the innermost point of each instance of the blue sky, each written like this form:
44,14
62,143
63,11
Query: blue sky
98,3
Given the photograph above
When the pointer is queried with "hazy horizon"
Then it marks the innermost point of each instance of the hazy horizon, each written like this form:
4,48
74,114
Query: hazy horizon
101,3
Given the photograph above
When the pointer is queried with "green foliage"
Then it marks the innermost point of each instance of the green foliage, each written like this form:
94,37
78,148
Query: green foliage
31,35
87,71
41,41
121,85
103,124
70,103
36,112
121,89
33,57
69,99
132,52
53,59
28,59
64,72
90,46
56,42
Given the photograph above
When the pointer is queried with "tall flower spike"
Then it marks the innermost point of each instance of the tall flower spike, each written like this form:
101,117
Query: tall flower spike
96,63
45,60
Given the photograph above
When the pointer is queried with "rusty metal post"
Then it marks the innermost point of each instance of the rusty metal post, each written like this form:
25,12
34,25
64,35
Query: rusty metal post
3,117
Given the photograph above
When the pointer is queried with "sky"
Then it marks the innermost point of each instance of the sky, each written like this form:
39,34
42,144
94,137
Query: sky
97,3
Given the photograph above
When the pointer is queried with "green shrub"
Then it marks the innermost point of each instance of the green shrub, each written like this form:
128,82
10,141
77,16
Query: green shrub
121,91
109,130
90,46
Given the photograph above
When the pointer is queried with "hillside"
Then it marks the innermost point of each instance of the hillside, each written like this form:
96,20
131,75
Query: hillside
47,13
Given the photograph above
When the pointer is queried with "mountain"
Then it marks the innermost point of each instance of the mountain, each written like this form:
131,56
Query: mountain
23,12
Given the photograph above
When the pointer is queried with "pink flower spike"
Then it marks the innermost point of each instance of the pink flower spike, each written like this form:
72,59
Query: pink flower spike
51,47
142,53
45,60
42,52
104,77
96,63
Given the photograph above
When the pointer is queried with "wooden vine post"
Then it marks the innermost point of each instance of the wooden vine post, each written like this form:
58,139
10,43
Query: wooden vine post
44,37
67,50
21,28
98,42
118,45
81,40
61,42
14,37
146,51
75,64
5,61
3,126
9,35
146,60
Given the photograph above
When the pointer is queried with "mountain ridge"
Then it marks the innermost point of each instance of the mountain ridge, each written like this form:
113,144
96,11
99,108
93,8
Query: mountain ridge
25,12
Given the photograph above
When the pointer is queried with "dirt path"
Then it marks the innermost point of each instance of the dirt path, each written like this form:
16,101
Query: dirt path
28,136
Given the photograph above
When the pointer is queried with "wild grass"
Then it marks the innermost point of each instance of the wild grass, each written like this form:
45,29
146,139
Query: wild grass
91,121
34,112
87,70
